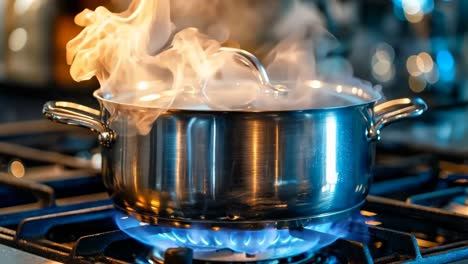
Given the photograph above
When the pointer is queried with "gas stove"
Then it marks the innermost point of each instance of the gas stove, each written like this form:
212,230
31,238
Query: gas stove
55,209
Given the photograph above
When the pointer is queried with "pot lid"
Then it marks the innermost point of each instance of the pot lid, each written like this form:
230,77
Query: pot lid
307,95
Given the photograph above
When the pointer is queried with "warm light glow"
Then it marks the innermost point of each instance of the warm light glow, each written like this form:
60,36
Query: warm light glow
373,223
315,84
423,243
367,213
142,86
416,18
155,202
17,169
412,66
179,163
22,6
96,161
383,68
339,88
277,157
214,160
18,39
440,239
422,70
386,76
385,52
424,62
150,97
382,55
416,84
413,10
256,170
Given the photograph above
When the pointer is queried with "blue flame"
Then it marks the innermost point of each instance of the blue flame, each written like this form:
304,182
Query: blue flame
272,243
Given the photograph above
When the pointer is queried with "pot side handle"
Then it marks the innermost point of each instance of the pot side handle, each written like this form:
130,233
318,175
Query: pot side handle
395,110
79,115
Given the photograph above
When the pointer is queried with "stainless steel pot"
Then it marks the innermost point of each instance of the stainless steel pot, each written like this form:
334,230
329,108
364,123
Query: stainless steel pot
241,169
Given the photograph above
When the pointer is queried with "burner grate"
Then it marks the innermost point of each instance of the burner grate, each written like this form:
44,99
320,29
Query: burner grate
105,243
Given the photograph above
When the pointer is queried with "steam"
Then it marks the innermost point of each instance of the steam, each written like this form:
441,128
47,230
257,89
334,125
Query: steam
151,55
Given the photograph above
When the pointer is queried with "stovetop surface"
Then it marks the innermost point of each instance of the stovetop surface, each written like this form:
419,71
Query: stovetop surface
57,208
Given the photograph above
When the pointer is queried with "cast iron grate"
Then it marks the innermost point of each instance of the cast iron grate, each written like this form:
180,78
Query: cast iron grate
99,239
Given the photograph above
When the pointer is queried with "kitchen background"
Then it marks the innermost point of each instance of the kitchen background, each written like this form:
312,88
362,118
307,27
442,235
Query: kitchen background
411,48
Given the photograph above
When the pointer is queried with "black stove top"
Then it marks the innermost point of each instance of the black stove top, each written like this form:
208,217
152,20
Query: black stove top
55,208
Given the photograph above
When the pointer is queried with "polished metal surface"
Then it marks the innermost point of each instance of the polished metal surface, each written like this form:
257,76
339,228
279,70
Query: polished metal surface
79,115
234,167
395,110
240,169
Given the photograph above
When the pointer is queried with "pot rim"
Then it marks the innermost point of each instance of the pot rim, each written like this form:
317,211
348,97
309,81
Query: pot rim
368,95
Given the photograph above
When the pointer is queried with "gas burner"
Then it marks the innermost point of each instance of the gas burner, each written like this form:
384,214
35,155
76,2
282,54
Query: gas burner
228,245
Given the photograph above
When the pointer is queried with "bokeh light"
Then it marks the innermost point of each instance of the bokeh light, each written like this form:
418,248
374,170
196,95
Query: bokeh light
446,64
433,76
423,71
383,68
18,39
412,10
417,84
412,66
424,62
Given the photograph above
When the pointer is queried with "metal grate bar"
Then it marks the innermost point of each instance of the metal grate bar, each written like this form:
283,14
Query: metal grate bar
35,227
427,214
